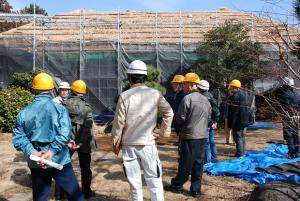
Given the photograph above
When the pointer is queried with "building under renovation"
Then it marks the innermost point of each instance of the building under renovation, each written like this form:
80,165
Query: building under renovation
97,47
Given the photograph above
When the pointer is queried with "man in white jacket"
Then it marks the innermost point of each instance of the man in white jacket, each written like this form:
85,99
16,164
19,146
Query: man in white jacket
133,132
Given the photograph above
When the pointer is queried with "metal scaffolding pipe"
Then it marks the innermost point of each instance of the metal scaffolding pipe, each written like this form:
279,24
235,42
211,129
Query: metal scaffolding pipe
9,17
118,52
181,42
34,36
81,46
156,41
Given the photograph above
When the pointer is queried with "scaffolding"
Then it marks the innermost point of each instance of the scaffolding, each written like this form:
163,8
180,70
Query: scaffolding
26,18
98,47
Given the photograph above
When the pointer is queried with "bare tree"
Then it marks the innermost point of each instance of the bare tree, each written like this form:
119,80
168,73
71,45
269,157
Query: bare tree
5,7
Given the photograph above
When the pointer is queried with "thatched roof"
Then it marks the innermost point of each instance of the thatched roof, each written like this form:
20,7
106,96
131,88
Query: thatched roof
145,27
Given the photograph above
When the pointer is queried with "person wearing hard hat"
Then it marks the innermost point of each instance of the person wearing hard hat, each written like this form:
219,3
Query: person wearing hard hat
63,92
238,116
133,132
43,129
82,139
290,120
211,149
192,120
176,84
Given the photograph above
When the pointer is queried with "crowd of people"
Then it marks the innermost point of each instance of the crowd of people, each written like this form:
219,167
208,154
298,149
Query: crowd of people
55,128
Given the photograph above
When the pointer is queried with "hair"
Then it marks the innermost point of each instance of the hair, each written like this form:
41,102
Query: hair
63,89
201,90
46,92
287,87
75,93
136,78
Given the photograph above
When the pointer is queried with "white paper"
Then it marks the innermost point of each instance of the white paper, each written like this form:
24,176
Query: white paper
47,162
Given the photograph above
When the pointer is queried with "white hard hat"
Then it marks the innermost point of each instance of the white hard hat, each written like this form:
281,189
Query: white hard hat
64,85
137,67
289,81
204,85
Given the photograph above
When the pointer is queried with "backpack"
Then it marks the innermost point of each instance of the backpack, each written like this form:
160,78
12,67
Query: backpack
250,109
215,111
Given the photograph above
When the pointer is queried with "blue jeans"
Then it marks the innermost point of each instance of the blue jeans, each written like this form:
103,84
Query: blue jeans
290,134
65,178
239,139
191,162
211,149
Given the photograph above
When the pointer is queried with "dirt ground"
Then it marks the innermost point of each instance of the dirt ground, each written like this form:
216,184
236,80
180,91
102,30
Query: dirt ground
109,181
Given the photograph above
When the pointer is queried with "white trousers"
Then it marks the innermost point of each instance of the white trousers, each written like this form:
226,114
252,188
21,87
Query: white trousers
147,156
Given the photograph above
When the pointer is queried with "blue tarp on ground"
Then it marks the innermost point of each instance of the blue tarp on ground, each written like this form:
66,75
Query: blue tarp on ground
244,167
258,125
103,118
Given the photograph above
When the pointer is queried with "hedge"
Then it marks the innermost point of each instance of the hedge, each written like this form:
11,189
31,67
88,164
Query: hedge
12,100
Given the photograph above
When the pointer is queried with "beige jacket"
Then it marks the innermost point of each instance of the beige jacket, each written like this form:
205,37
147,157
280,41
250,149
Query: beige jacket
136,116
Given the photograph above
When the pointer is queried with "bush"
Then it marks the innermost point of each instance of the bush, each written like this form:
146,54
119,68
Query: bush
23,80
12,100
153,80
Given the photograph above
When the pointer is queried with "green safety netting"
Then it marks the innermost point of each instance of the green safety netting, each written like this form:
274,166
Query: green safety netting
98,63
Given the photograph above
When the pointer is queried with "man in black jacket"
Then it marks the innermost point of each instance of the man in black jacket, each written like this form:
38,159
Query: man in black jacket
176,84
238,116
290,119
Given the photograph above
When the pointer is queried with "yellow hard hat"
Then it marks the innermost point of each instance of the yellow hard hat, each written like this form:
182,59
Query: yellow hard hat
177,79
192,77
235,83
79,86
42,81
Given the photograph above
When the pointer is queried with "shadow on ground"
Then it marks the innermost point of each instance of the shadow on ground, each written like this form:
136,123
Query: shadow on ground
20,158
21,176
99,197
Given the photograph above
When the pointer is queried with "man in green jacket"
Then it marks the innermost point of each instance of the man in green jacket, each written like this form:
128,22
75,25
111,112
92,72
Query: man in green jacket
82,139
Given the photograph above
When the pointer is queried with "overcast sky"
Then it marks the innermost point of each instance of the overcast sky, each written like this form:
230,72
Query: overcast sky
284,7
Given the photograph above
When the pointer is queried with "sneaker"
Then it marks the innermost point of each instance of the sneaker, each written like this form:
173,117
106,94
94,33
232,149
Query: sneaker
239,155
195,194
173,189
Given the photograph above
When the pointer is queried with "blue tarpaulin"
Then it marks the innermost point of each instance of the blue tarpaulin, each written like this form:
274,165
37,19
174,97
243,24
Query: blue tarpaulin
258,125
104,117
244,167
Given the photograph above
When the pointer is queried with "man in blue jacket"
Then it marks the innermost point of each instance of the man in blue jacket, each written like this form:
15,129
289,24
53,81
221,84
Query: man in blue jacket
43,128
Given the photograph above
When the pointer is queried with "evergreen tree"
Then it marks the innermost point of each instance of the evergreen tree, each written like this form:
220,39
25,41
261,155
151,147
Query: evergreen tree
297,8
30,10
228,53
